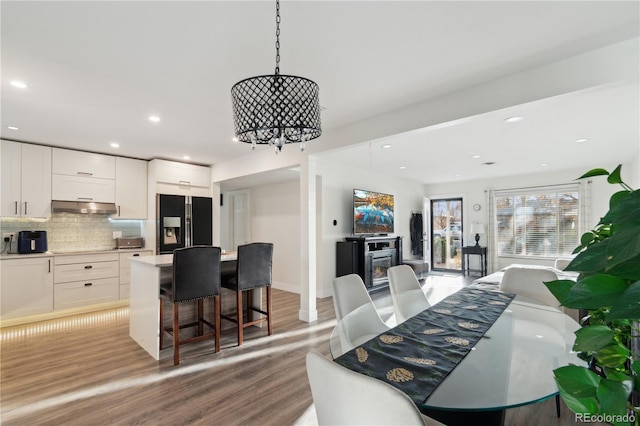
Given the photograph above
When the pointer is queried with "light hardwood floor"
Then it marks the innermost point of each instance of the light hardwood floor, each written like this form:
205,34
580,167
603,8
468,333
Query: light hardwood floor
85,370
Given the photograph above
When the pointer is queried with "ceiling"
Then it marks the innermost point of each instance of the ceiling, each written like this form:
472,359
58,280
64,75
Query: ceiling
97,70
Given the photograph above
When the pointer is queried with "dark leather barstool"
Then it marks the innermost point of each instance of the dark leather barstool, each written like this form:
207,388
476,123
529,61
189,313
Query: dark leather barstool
253,270
196,276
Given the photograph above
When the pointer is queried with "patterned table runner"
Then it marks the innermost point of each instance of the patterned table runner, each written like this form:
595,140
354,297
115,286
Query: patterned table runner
417,355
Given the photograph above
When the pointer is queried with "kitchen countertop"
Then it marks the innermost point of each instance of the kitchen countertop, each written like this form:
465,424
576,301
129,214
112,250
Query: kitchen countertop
68,253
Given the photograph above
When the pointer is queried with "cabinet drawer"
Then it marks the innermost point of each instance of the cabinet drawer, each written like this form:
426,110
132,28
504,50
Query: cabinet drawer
124,257
87,292
77,188
86,164
85,271
68,259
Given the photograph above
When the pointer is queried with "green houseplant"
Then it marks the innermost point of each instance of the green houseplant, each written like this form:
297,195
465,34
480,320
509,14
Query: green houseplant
608,290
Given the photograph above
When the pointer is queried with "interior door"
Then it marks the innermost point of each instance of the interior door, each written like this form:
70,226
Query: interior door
446,234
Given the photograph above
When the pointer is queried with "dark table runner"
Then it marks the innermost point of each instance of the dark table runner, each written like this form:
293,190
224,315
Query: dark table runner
417,355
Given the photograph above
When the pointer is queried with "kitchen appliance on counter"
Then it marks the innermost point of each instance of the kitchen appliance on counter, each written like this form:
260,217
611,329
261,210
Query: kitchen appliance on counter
129,242
183,221
32,242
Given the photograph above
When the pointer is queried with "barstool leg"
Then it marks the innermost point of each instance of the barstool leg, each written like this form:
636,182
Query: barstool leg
218,306
269,310
176,335
239,316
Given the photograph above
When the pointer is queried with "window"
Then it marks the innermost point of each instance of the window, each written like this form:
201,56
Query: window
537,222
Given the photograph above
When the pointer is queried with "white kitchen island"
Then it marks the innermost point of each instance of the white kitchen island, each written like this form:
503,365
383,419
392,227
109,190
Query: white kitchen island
144,305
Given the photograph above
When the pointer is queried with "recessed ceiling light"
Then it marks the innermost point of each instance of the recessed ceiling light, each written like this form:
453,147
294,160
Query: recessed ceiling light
385,146
475,156
154,118
513,119
403,167
114,145
19,84
458,175
235,139
544,164
13,128
583,140
185,157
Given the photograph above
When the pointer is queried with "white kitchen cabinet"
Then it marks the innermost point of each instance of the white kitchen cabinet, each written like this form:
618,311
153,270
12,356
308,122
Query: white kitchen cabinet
125,270
85,279
80,188
182,174
26,286
26,180
85,164
131,188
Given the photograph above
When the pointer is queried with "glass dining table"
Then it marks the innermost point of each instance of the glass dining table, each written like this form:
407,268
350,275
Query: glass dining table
509,366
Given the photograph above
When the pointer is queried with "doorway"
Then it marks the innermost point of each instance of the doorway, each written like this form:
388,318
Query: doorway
446,234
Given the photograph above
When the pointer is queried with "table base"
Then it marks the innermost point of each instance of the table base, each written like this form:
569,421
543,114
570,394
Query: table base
460,418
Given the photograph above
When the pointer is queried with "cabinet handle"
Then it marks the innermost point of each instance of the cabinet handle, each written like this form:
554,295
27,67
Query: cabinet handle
25,207
85,173
118,210
184,182
137,254
49,265
16,207
88,267
85,198
88,284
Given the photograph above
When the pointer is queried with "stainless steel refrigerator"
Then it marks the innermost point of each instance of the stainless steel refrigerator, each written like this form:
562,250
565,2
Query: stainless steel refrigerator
183,221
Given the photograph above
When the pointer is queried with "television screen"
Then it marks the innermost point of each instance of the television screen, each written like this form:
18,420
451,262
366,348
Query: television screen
372,212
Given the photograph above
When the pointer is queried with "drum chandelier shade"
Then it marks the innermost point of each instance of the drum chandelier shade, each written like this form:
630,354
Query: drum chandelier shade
276,109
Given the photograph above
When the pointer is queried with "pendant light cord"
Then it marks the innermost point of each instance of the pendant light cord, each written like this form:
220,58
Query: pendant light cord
277,37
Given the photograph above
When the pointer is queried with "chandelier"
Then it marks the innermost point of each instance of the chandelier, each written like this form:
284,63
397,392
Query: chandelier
276,109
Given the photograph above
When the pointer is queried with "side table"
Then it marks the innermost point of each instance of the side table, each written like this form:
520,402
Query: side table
477,250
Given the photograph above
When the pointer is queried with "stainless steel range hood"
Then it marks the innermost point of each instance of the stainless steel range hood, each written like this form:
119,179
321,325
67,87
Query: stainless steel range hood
83,207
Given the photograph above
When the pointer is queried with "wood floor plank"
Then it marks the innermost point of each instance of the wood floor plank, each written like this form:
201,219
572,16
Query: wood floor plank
86,370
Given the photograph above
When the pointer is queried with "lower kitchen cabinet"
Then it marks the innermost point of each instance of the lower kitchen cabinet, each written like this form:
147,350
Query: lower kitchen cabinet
86,292
86,279
26,286
125,270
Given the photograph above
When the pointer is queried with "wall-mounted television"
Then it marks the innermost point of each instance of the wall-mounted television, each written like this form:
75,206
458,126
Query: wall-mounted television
372,213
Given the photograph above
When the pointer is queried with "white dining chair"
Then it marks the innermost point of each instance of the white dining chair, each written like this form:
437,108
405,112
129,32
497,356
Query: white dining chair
344,397
406,293
529,282
561,263
349,293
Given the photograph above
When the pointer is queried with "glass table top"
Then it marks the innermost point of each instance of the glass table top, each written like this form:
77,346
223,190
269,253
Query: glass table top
512,365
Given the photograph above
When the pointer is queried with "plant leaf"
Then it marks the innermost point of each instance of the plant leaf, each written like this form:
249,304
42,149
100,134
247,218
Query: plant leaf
613,355
593,337
628,270
595,291
624,244
591,260
560,288
614,176
628,304
626,209
617,196
613,397
594,172
578,388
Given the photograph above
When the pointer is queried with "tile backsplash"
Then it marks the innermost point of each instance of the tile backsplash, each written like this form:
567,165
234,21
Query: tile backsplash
73,232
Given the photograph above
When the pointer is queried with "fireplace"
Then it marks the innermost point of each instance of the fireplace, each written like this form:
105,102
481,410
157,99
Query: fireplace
369,257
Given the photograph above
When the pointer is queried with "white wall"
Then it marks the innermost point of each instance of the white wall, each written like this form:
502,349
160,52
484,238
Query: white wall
338,183
474,192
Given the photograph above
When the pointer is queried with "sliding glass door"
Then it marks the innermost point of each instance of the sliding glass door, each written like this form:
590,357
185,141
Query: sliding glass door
446,234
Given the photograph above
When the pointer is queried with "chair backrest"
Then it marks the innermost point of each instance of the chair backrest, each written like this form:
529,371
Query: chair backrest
406,292
349,292
196,273
344,397
561,263
254,265
529,282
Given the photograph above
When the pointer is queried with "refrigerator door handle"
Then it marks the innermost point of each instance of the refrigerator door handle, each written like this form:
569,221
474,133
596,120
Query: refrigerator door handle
188,222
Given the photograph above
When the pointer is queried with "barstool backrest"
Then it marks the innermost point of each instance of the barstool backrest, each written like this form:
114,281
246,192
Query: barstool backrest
255,262
196,273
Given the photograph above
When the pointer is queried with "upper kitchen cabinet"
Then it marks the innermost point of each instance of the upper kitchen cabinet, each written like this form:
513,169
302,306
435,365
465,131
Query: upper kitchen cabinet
131,188
83,176
85,164
182,174
26,180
